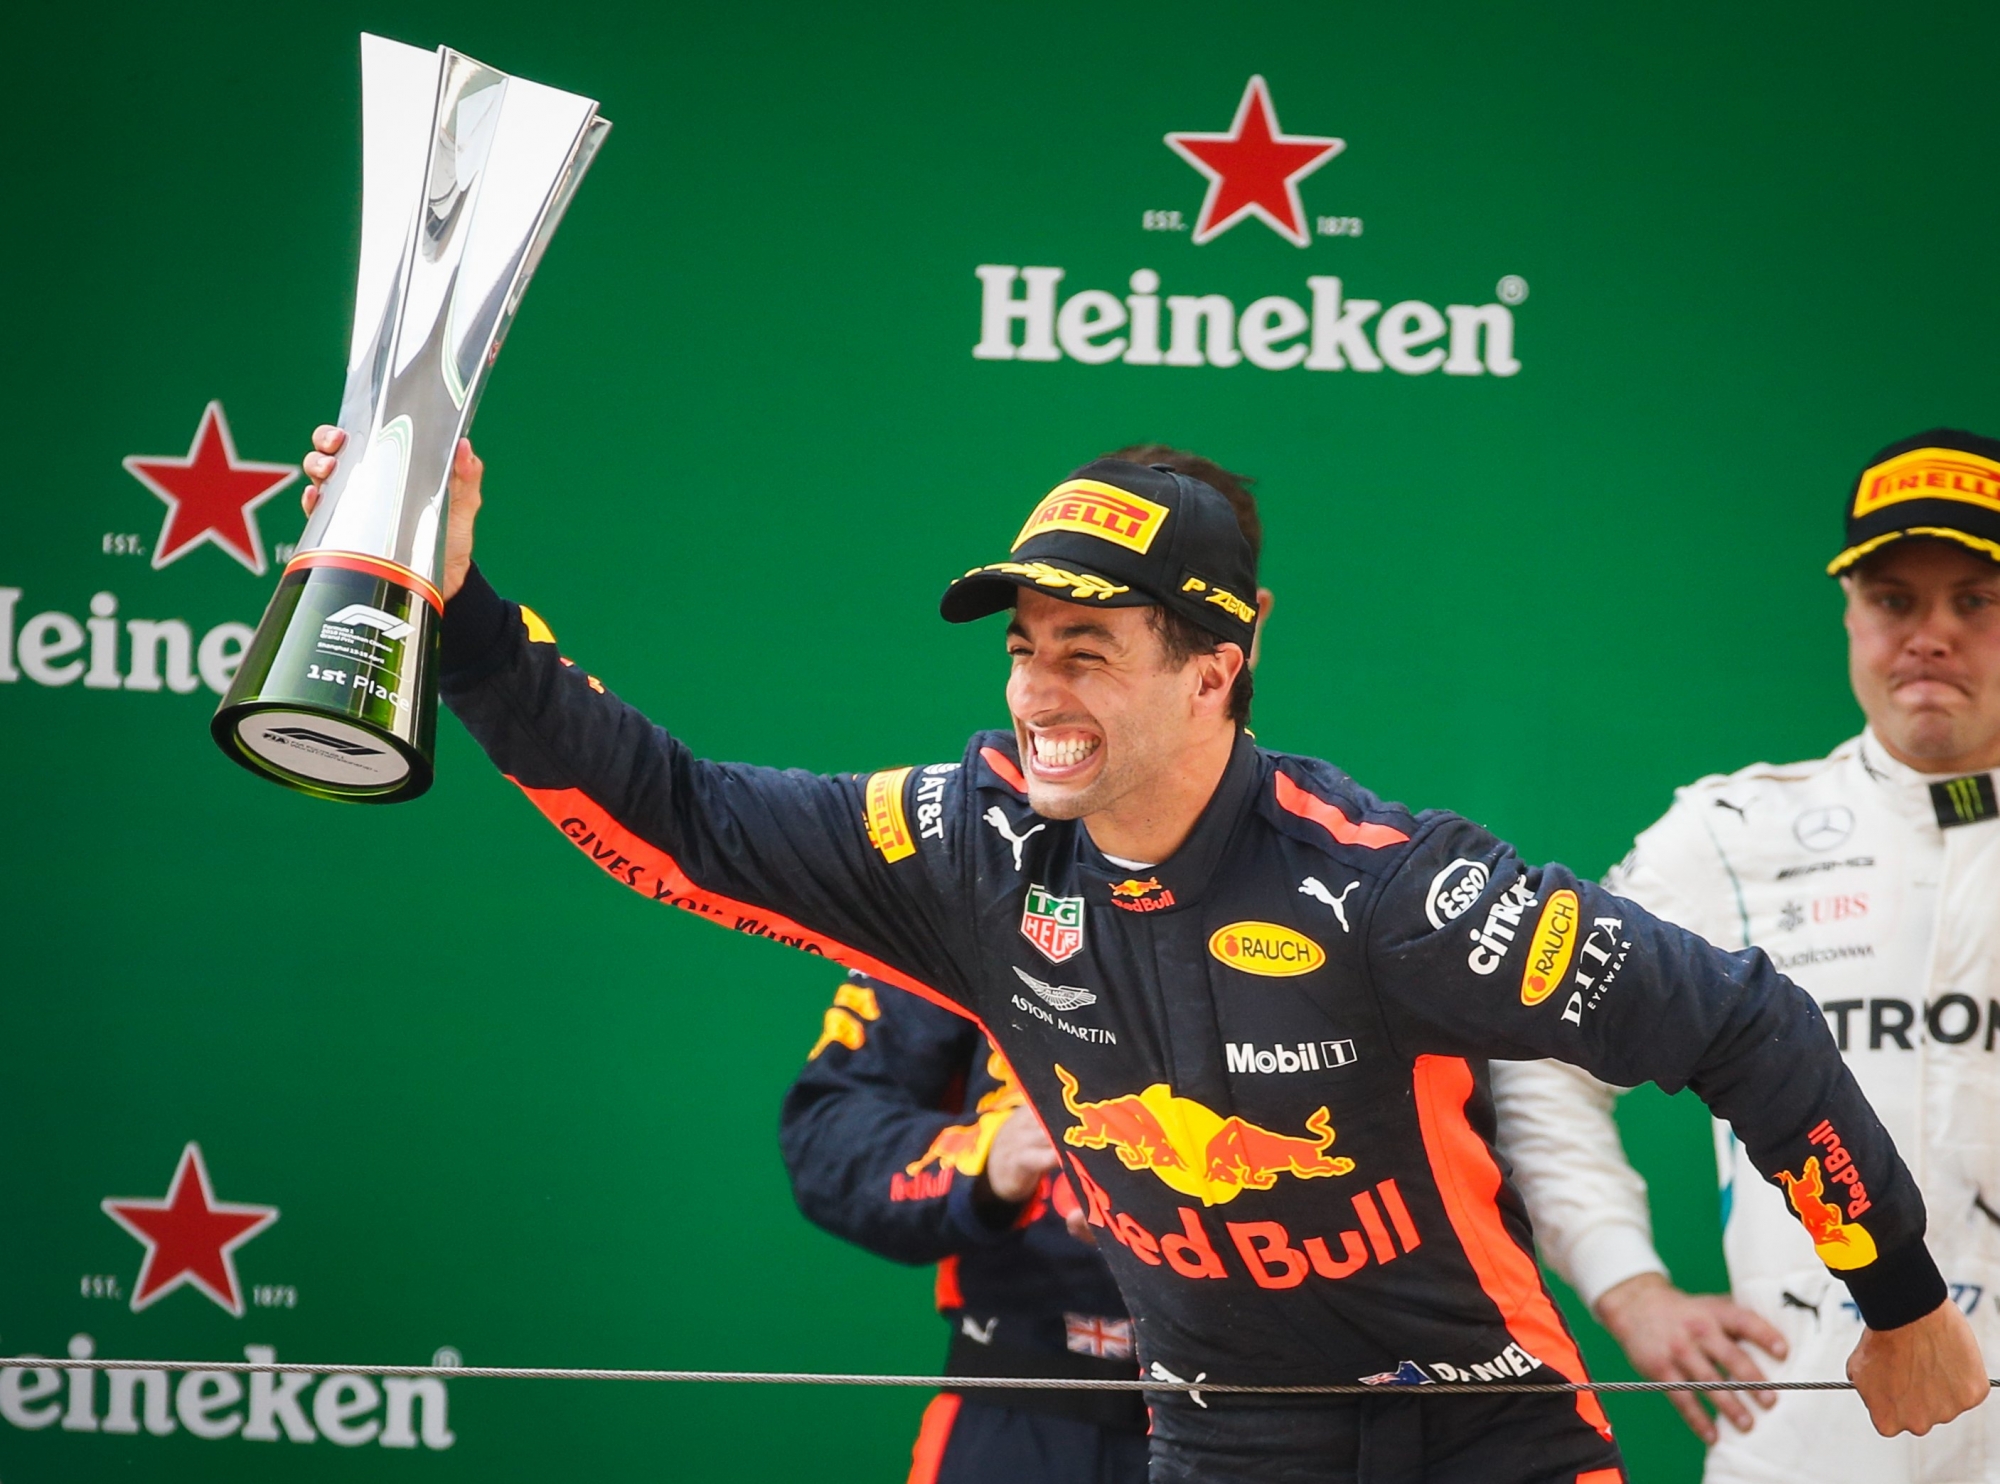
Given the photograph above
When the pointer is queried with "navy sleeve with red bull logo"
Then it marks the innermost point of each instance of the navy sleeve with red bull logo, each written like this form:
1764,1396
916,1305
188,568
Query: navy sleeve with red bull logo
885,1134
880,1142
1477,953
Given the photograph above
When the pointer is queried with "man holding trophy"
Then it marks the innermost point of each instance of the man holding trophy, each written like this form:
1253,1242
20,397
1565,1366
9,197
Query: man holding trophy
1214,920
1208,964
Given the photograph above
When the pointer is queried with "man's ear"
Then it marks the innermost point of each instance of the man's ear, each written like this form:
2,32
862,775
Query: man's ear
1216,674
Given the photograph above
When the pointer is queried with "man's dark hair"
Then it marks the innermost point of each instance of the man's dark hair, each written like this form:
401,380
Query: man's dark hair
1181,638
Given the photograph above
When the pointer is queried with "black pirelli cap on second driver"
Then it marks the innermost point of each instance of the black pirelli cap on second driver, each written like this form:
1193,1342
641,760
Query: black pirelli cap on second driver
1122,535
1944,484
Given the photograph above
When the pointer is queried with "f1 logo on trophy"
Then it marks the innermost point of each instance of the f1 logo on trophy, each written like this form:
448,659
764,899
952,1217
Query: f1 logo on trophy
466,172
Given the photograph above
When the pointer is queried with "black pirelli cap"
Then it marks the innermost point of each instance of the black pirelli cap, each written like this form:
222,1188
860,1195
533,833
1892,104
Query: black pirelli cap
1122,535
1943,484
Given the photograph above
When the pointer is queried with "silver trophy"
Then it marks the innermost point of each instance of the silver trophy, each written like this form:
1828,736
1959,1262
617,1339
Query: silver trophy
465,174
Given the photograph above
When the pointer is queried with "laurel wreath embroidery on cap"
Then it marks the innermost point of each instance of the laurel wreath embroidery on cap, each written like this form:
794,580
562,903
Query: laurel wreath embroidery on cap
1081,584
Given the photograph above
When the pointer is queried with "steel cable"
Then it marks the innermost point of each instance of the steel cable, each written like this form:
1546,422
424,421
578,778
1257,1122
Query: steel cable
1159,1382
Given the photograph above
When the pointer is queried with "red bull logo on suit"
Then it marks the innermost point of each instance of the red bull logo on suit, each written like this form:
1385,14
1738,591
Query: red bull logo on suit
1195,1150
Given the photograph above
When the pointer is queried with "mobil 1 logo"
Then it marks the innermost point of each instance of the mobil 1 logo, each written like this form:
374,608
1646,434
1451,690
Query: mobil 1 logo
1301,1056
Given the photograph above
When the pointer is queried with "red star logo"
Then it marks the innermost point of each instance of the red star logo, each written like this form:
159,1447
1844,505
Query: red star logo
211,494
1254,169
190,1236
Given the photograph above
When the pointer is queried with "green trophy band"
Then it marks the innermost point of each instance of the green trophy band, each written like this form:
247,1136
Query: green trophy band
466,172
329,698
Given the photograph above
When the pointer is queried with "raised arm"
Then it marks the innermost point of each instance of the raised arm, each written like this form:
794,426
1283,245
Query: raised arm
830,865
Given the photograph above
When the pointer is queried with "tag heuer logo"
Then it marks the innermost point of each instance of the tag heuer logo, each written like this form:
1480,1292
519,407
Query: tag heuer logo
1053,924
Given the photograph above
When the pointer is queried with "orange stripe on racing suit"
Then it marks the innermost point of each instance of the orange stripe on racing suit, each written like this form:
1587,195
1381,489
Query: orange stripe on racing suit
1003,768
564,807
927,1457
1334,821
1467,1181
946,1288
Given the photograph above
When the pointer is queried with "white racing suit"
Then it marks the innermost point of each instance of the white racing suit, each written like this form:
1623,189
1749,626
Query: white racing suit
1846,872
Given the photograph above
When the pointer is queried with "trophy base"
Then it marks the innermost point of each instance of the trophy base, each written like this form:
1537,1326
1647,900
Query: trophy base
337,695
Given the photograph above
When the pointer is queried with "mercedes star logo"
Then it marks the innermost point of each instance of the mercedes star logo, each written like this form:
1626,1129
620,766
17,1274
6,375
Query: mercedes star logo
1824,828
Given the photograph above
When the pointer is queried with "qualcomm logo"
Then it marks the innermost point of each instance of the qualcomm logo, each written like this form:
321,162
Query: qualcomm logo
360,615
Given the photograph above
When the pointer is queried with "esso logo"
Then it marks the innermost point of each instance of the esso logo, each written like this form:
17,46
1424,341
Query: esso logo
1454,890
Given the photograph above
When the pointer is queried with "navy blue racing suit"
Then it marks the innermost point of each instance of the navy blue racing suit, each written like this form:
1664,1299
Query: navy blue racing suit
885,1134
1265,1057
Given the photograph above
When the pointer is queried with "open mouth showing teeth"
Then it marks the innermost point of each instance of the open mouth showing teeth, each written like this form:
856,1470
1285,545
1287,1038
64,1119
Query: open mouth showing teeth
1066,752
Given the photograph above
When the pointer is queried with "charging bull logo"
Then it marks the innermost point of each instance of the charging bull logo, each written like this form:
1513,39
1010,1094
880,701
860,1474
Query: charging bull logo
1193,1149
964,1147
1841,1245
1134,895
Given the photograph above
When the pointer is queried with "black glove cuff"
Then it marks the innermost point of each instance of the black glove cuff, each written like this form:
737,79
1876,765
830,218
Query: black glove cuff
1898,1288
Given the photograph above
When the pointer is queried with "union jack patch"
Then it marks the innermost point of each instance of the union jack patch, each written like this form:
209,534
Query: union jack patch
1092,1334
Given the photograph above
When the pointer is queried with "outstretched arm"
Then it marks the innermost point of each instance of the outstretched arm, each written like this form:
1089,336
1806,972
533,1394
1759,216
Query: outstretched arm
1543,964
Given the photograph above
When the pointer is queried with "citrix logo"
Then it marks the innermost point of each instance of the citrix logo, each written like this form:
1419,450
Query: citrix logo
1492,939
360,615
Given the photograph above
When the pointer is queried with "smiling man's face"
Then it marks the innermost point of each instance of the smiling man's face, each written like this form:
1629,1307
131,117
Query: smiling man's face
1923,630
1098,711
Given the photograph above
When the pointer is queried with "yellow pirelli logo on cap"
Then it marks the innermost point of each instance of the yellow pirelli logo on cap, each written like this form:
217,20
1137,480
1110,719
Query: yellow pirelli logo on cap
1930,474
888,827
1092,508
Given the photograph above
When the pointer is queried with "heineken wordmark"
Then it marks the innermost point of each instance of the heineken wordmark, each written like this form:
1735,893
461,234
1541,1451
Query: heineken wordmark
465,173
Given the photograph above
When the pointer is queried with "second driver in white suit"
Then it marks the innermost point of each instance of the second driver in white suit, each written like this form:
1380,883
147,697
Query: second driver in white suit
1872,878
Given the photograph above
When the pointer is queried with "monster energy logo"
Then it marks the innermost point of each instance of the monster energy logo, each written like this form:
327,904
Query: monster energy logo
1964,800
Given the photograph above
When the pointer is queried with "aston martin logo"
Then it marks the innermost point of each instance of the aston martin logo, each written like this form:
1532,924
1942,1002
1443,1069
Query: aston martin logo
1061,996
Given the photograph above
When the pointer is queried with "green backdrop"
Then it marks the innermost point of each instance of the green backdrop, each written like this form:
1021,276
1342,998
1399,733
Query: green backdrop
737,444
